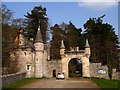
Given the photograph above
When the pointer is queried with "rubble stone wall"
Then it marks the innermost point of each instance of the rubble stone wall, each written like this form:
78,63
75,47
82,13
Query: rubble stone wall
10,78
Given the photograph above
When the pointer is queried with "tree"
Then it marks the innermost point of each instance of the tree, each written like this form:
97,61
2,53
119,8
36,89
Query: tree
19,23
73,35
69,33
72,66
103,41
37,17
56,42
8,38
7,15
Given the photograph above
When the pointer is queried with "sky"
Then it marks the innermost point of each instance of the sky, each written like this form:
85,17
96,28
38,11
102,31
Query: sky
77,12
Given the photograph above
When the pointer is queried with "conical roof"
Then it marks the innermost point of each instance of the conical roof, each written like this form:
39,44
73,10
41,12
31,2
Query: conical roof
62,45
87,44
38,36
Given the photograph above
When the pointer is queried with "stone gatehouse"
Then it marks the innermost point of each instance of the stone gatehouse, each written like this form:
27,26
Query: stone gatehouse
34,57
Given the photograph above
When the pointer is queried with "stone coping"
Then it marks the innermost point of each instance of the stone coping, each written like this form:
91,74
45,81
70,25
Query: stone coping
12,74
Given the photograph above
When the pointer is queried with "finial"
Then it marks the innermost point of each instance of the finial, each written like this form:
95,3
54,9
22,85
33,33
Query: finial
87,44
62,44
39,26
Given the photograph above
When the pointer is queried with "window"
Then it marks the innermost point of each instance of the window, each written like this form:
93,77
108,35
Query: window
28,67
20,42
25,53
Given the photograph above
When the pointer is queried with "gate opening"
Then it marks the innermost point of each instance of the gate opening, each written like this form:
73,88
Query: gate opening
75,68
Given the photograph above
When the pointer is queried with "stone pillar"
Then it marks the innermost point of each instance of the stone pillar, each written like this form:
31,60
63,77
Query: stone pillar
65,67
85,67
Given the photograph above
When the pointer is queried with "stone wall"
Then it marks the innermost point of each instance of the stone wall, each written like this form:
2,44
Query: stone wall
25,59
95,70
115,74
10,78
53,65
95,67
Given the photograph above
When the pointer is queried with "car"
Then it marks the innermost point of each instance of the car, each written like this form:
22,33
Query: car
60,75
77,72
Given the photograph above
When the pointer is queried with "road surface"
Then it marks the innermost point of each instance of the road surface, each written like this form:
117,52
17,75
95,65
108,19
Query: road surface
67,83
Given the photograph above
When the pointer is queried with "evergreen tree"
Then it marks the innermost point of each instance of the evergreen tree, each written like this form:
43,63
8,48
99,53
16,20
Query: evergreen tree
103,41
73,35
70,34
37,17
56,41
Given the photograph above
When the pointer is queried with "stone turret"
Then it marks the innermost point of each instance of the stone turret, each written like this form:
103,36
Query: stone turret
38,41
39,50
62,48
87,49
38,36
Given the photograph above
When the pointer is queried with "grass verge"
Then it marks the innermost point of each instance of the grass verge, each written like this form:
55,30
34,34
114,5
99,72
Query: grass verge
20,83
105,84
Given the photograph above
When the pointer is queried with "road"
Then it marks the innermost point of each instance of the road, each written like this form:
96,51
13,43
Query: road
55,83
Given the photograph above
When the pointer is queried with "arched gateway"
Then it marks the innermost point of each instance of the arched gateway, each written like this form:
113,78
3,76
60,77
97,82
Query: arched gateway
75,68
82,55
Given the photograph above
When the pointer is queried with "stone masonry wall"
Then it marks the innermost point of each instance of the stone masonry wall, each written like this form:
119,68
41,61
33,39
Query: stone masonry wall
115,74
95,68
8,79
53,65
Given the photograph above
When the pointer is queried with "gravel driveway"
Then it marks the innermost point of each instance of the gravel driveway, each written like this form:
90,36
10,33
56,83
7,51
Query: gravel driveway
55,83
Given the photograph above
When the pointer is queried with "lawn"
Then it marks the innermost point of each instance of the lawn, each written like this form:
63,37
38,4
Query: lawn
107,84
20,83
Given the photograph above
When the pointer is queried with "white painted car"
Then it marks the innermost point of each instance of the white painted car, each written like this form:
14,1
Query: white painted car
60,75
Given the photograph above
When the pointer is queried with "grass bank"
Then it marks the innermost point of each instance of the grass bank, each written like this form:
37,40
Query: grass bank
20,83
107,84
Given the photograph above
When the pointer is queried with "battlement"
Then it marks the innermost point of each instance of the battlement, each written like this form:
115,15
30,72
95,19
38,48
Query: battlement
72,52
75,50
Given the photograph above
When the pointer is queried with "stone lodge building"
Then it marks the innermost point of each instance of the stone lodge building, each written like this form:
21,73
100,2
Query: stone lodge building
34,58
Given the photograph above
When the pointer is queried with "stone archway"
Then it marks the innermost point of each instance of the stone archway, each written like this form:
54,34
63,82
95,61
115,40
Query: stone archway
75,67
84,60
75,52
